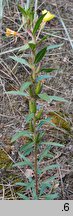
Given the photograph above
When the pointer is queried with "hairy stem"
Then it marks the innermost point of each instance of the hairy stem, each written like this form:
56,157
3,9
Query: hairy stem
34,98
35,168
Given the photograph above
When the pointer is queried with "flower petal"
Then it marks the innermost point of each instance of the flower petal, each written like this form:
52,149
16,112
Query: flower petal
10,32
48,16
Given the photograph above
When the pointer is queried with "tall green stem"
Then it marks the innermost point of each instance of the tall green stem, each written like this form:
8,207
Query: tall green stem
35,167
34,99
35,158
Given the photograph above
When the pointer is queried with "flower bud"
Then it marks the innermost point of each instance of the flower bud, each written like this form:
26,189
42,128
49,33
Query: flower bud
38,88
32,106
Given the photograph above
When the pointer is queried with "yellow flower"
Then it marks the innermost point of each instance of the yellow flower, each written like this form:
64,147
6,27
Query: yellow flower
10,32
48,16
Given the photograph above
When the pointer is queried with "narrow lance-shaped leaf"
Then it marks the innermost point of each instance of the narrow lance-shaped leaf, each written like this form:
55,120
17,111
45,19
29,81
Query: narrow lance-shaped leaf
21,60
28,185
25,85
21,184
28,162
20,134
47,70
21,164
42,52
32,46
48,98
35,197
22,10
41,40
22,196
56,98
44,121
38,23
26,146
43,187
24,47
54,46
51,196
42,77
44,96
20,93
50,179
29,117
52,144
44,154
28,152
40,55
46,183
50,167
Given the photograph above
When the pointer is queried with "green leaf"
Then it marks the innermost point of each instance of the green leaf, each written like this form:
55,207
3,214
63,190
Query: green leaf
20,60
21,184
46,183
50,179
29,117
44,96
28,152
50,167
27,146
47,70
51,196
28,185
40,55
48,98
41,135
22,10
44,121
45,154
35,197
20,134
42,77
28,162
58,128
52,144
43,187
38,23
56,98
24,47
41,40
54,46
32,46
25,85
17,93
20,164
23,196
